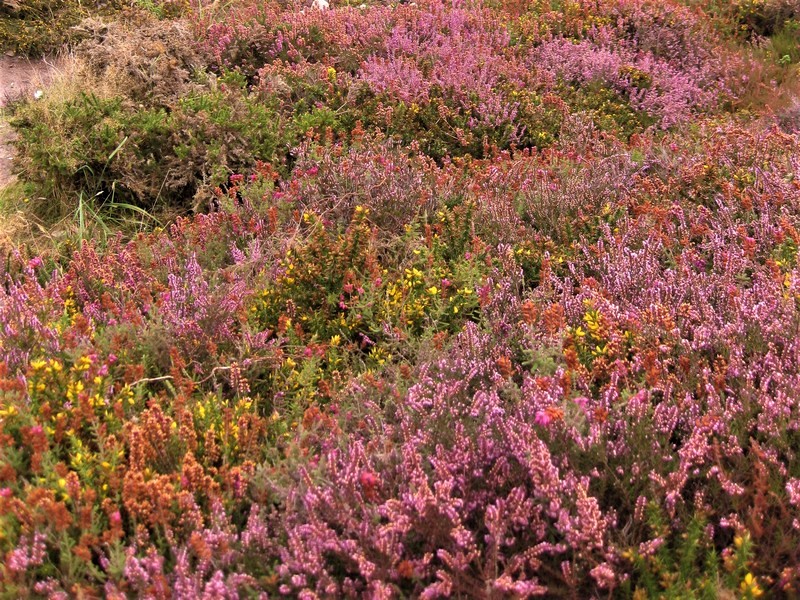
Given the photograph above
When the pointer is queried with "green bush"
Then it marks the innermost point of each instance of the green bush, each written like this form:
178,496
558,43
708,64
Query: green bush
766,17
150,157
785,44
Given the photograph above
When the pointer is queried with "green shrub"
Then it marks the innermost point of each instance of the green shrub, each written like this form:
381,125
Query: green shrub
387,303
766,17
150,157
785,43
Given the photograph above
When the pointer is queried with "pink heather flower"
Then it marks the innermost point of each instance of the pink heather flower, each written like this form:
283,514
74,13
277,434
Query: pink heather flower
29,553
542,418
50,588
651,547
582,401
216,588
641,504
793,489
732,521
604,575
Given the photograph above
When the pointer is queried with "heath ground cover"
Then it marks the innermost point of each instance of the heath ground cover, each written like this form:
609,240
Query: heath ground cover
450,299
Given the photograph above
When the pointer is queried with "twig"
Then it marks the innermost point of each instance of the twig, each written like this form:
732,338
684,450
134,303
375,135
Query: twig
150,380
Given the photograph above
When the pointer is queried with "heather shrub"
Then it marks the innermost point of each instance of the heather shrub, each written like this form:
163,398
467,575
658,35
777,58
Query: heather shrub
254,35
573,200
529,394
460,80
649,85
395,187
624,415
453,81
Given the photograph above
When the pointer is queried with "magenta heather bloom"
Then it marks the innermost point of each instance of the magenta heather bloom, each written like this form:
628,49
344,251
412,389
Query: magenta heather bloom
651,84
604,575
28,554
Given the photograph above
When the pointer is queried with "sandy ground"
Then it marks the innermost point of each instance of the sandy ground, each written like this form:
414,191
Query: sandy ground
18,77
6,154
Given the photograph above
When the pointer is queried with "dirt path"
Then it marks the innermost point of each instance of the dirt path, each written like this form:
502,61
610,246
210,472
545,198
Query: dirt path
18,77
6,154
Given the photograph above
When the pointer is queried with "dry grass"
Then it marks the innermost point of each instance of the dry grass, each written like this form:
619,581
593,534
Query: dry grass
18,227
143,58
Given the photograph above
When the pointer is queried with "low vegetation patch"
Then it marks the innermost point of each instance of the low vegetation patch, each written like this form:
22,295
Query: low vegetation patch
486,299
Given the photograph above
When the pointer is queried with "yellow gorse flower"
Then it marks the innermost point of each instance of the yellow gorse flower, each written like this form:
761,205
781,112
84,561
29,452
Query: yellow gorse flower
38,365
750,587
